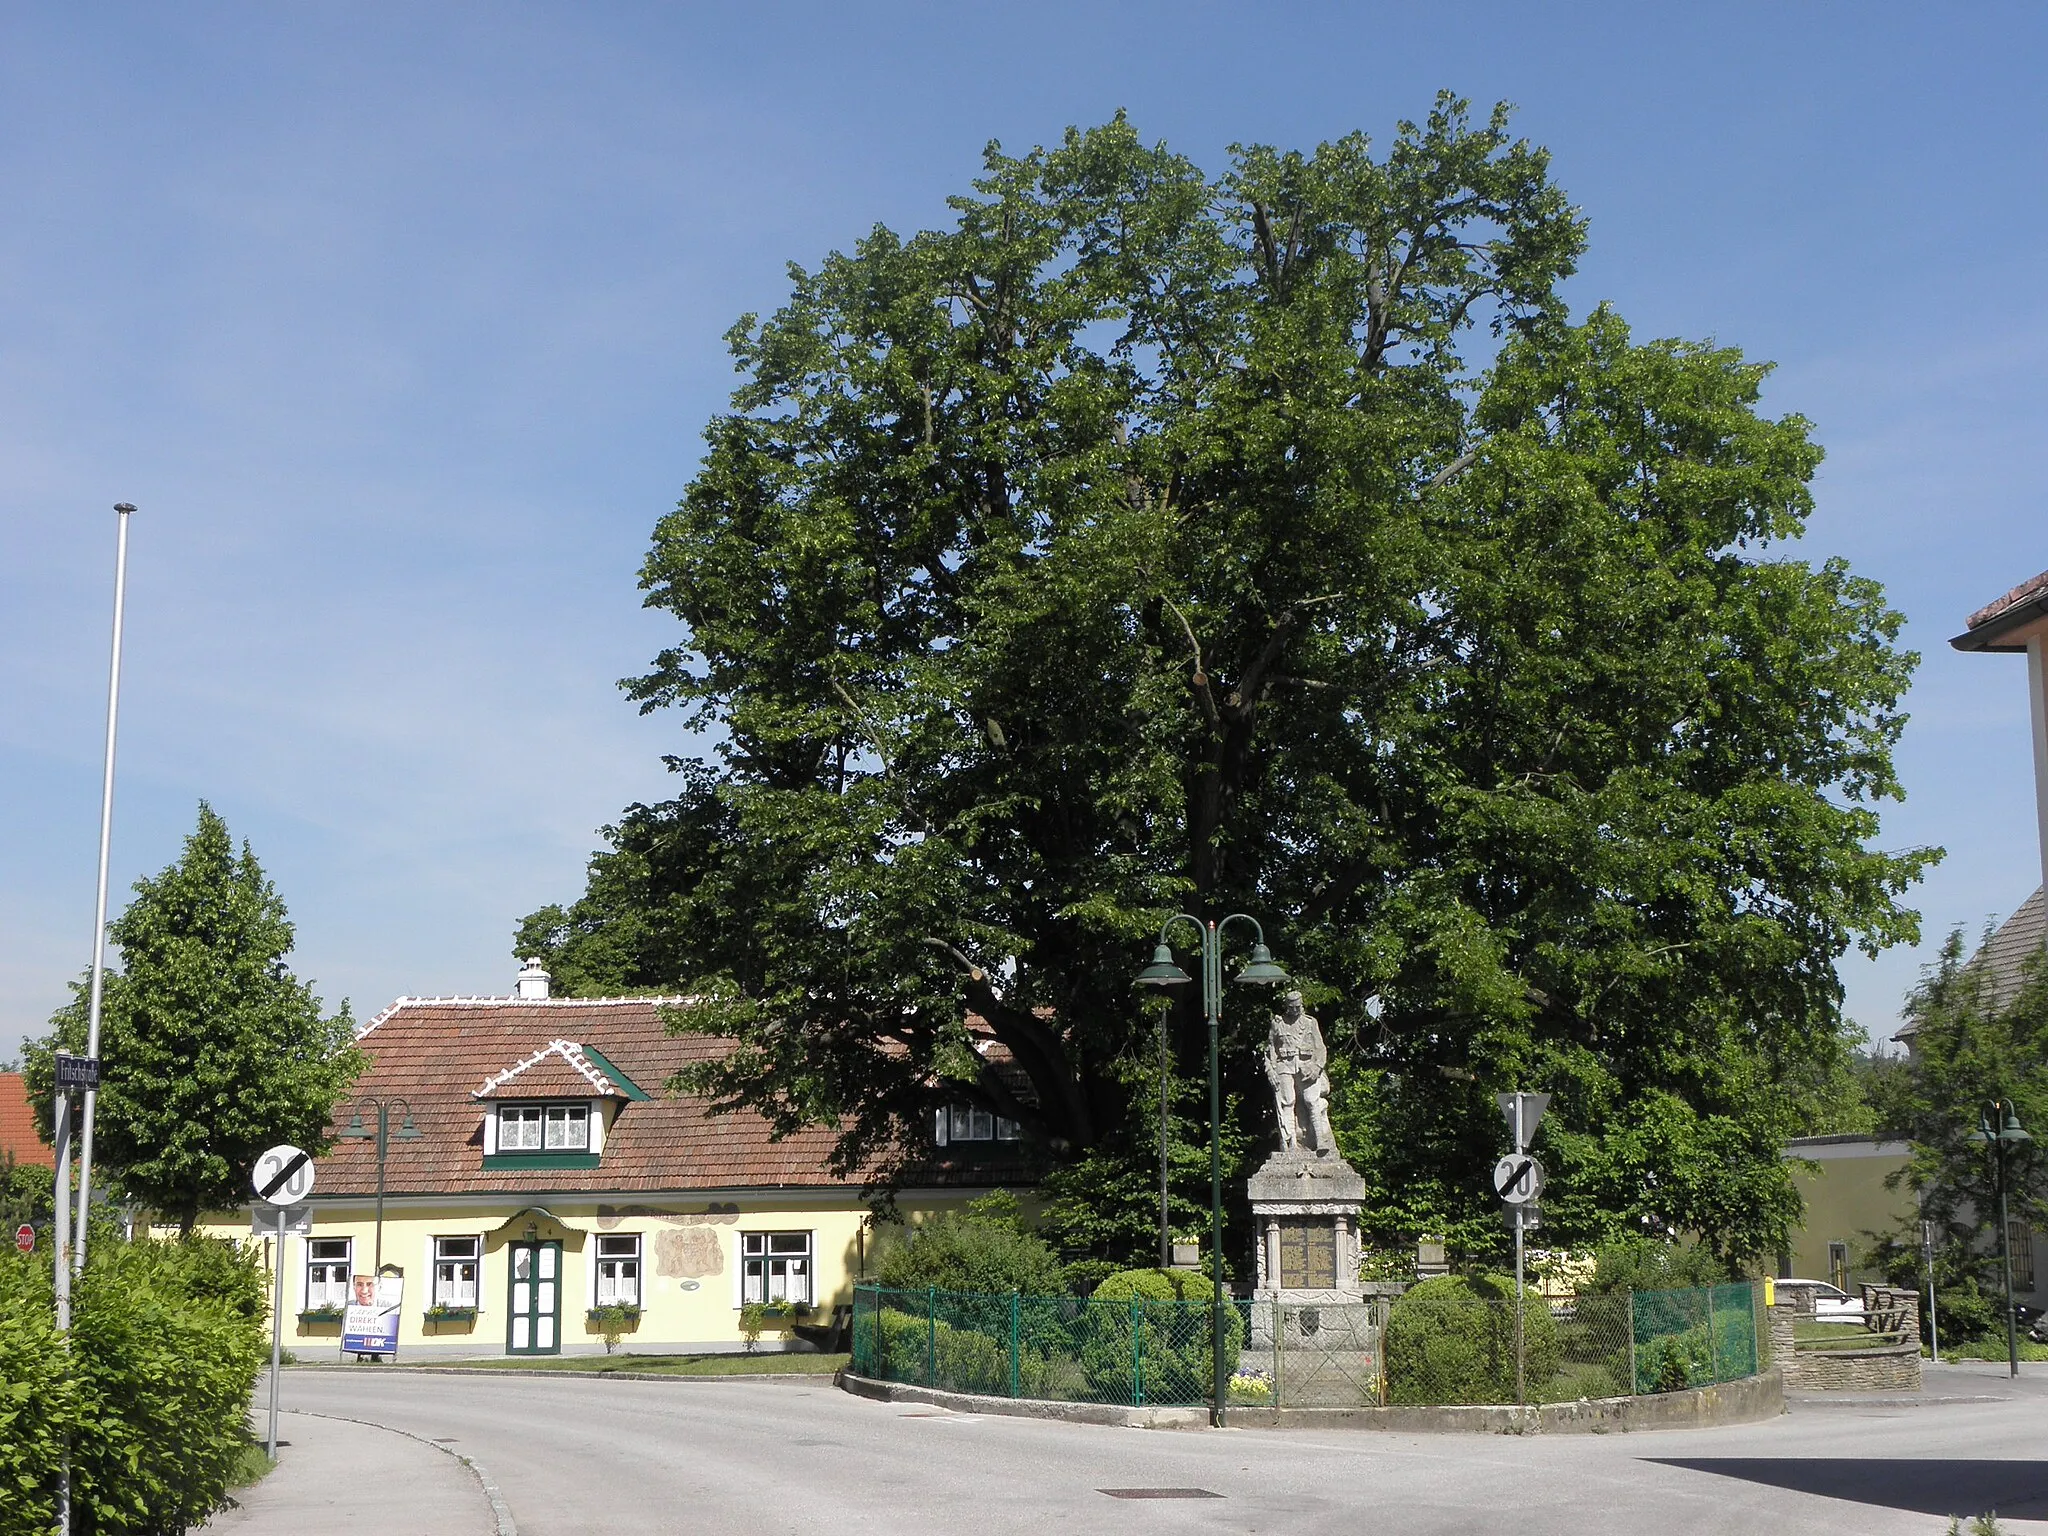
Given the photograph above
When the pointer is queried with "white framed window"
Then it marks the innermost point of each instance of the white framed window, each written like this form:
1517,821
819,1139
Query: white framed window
327,1271
775,1266
455,1270
618,1271
544,1128
957,1123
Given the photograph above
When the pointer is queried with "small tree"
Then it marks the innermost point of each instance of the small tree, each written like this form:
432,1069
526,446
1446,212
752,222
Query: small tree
212,1049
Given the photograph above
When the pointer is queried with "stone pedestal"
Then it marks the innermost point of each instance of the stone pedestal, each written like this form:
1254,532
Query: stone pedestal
1306,1210
1314,1331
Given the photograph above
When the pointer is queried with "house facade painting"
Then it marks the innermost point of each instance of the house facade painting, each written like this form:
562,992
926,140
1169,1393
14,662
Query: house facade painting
537,1168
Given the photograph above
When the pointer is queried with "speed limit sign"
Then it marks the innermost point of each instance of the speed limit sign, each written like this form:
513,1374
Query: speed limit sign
283,1176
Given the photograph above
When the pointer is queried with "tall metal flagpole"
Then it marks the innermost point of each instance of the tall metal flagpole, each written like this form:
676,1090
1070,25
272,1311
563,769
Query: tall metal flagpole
99,925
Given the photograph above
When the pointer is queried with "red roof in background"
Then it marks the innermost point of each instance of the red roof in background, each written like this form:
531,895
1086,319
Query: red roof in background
435,1053
18,1124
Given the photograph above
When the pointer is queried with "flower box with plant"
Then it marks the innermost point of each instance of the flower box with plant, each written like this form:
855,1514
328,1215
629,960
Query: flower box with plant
320,1315
441,1312
612,1321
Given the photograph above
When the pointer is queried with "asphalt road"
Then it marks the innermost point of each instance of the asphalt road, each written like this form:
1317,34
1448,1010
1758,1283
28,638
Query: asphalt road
589,1456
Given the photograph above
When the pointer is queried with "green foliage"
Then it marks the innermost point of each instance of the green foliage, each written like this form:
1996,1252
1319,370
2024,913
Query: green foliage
1452,1340
1972,1044
983,1249
213,1050
613,1323
166,1343
1163,1346
1271,540
27,1194
1638,1263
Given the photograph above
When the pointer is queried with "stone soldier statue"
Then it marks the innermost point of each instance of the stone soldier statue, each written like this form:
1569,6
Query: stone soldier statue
1295,1063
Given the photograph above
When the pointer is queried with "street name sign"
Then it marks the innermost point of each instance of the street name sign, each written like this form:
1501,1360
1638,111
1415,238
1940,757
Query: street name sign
283,1176
1518,1178
77,1071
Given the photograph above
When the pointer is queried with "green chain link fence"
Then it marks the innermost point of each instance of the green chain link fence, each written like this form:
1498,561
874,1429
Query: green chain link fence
1138,1352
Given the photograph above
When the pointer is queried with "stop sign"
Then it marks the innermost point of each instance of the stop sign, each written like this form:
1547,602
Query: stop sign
25,1238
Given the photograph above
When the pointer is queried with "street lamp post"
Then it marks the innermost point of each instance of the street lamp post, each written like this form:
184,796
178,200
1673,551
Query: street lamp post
2008,1133
357,1131
1260,971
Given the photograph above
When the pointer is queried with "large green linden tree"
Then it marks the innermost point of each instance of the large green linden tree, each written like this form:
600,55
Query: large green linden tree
1273,541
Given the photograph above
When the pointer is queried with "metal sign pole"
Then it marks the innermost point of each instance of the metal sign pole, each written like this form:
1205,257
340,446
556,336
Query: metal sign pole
277,1327
61,1278
1933,1324
99,927
1520,1143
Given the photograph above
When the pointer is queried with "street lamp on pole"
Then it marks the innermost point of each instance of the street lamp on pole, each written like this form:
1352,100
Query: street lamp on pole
357,1131
1259,971
2000,1130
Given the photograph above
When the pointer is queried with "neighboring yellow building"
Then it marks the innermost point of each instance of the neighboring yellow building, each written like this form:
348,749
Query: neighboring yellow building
1846,1202
536,1169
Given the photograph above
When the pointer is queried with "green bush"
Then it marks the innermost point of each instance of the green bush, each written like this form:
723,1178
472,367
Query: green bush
983,1249
1172,1347
1452,1340
166,1343
1649,1264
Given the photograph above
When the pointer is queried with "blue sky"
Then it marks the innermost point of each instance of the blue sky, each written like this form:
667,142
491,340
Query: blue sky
400,324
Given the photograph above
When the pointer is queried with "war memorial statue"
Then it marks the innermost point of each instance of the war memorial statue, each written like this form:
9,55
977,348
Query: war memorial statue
1297,1065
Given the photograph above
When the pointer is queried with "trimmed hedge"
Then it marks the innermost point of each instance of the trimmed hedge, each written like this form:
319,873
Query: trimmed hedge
1452,1340
167,1339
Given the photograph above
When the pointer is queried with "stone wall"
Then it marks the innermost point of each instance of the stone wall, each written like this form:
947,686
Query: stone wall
1879,1368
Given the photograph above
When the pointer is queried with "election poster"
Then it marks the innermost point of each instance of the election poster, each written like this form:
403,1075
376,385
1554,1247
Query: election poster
370,1324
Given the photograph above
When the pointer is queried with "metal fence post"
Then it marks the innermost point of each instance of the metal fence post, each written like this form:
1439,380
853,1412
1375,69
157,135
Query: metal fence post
1016,1308
1635,1381
931,1338
1137,1354
1713,1335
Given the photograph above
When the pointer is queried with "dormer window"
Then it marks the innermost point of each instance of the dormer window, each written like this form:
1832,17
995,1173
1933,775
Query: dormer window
544,1128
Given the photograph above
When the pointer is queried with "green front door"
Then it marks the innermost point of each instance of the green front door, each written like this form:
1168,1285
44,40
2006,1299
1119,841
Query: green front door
536,1306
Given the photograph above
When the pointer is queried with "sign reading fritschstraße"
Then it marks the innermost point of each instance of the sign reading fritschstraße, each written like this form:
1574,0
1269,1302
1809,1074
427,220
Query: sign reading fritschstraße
77,1071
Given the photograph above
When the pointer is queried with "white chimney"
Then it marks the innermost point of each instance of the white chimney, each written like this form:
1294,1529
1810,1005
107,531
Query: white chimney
533,982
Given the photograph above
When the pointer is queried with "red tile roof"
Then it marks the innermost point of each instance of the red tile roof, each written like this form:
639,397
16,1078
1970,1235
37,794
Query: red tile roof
2012,599
18,1124
435,1052
2003,624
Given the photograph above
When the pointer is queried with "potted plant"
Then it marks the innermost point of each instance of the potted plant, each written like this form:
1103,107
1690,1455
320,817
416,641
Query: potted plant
315,1316
611,1322
441,1314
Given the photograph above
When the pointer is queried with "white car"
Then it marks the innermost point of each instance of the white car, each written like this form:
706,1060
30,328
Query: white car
1831,1304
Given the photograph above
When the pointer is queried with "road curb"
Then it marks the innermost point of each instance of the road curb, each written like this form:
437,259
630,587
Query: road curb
825,1377
1744,1401
501,1512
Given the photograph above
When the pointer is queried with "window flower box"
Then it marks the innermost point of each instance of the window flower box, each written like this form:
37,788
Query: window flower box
314,1316
441,1315
598,1316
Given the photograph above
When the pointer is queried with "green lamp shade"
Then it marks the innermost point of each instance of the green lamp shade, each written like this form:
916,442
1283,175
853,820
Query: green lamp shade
355,1131
2012,1129
407,1131
1262,971
1162,972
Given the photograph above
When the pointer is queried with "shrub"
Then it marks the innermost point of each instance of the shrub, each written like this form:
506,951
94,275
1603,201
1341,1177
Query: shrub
166,1343
983,1249
1452,1340
1173,1348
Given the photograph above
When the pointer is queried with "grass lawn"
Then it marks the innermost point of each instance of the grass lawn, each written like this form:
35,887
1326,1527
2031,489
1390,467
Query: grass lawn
670,1365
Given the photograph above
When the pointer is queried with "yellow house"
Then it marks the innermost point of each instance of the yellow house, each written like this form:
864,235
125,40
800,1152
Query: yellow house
1846,1201
534,1169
